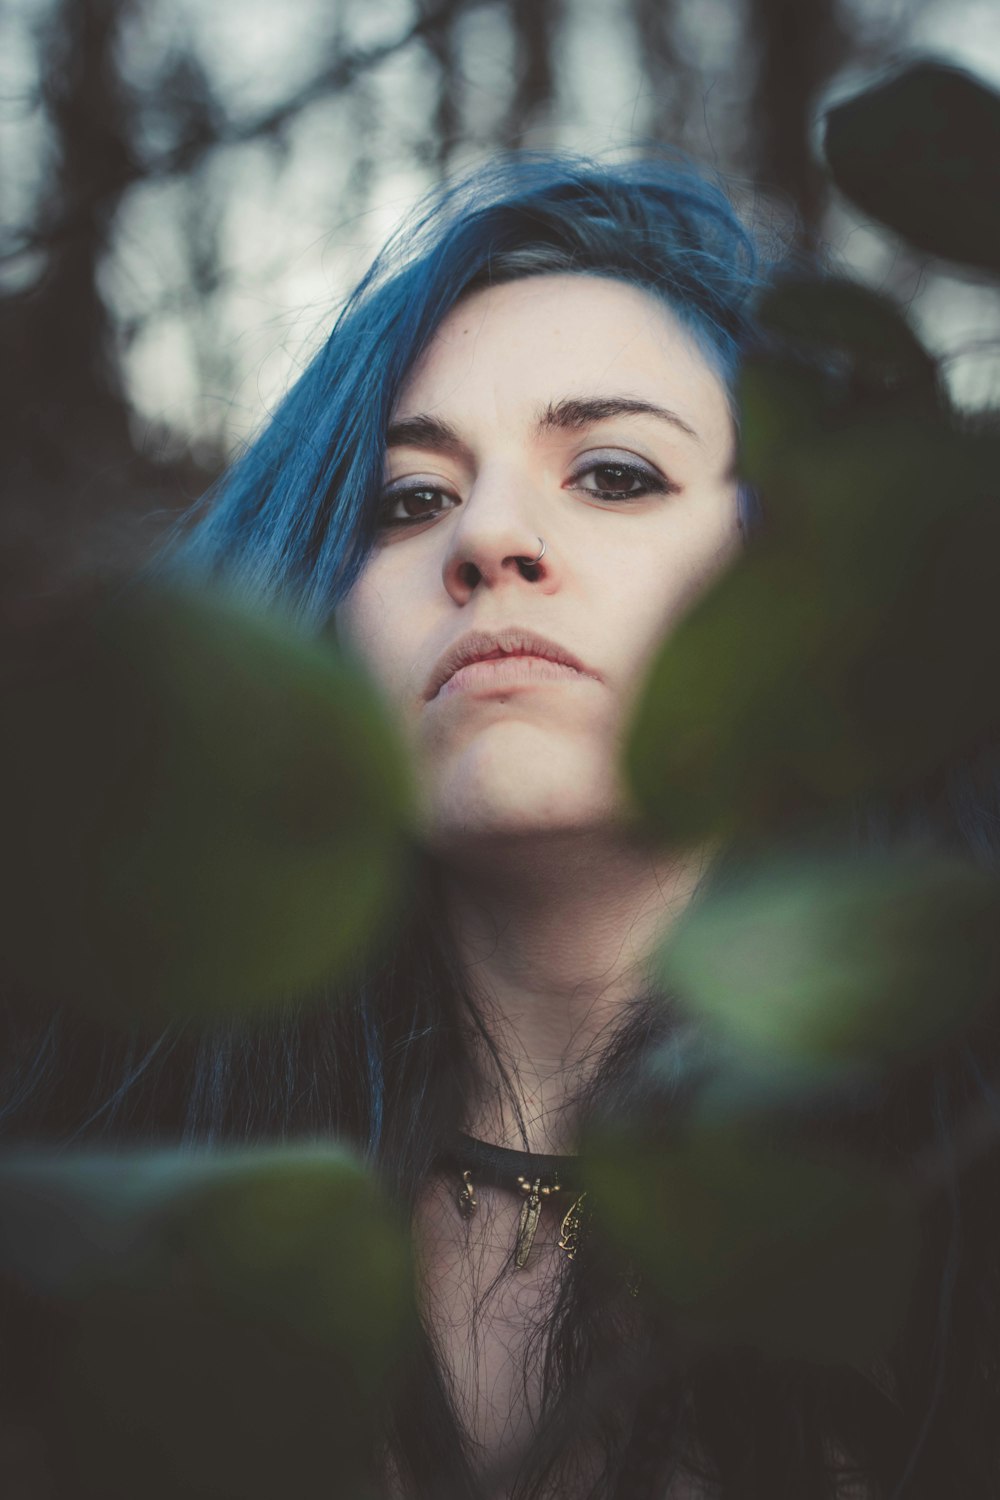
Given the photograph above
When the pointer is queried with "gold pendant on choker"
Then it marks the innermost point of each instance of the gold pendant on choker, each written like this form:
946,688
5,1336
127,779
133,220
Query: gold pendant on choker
467,1200
531,1212
569,1233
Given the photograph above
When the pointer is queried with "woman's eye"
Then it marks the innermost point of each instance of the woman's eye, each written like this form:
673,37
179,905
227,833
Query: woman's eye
410,506
619,479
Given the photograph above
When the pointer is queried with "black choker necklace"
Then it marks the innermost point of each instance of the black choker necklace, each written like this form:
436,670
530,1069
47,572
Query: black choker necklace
533,1177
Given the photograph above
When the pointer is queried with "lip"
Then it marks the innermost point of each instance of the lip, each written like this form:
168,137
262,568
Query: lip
504,674
513,640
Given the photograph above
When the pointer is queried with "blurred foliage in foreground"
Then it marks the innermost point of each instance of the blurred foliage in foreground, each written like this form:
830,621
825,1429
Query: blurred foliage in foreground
214,806
202,1324
212,813
846,665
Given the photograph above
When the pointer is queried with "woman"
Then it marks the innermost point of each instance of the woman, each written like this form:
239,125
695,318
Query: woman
504,478
559,483
552,407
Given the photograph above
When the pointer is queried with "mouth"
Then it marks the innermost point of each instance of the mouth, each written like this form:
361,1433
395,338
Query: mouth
499,674
513,655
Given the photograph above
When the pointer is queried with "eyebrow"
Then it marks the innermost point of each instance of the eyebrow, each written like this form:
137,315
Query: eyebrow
424,431
572,413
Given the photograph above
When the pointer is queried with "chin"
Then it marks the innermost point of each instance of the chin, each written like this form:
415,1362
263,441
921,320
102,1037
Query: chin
457,813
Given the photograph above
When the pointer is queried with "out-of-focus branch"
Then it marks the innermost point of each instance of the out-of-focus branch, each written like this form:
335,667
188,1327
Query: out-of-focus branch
440,43
667,71
92,128
798,48
535,24
336,75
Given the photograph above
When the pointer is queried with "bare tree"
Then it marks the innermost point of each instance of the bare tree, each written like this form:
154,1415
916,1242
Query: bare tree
668,72
535,26
440,41
68,392
796,48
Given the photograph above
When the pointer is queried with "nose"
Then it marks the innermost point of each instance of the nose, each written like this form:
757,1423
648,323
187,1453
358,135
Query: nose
497,538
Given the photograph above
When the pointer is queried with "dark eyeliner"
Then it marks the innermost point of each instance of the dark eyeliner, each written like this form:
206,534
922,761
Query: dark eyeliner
652,482
389,497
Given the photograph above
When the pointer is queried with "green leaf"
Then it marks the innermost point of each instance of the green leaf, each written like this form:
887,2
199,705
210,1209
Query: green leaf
225,1323
723,735
781,405
814,960
836,316
920,152
846,652
746,1240
206,813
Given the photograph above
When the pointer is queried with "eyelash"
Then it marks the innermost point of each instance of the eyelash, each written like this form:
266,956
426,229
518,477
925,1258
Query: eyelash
652,483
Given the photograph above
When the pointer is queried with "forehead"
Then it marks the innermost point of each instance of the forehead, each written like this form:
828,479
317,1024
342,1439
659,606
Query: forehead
515,347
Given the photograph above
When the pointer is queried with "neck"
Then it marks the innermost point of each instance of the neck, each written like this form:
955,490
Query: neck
554,937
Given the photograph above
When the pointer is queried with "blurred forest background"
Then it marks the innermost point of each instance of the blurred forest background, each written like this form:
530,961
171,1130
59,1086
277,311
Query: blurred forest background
191,188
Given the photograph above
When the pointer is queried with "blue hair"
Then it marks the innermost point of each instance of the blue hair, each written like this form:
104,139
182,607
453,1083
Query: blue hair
293,518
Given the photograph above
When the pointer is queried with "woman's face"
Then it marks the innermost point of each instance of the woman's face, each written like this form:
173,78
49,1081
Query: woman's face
574,409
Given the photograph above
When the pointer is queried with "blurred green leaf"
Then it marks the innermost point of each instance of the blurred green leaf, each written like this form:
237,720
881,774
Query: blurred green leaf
721,733
781,405
205,812
897,526
846,652
230,1320
747,1240
875,479
920,152
839,960
834,316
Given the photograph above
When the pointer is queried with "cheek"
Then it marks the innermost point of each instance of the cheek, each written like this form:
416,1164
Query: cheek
668,577
383,624
367,630
708,534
